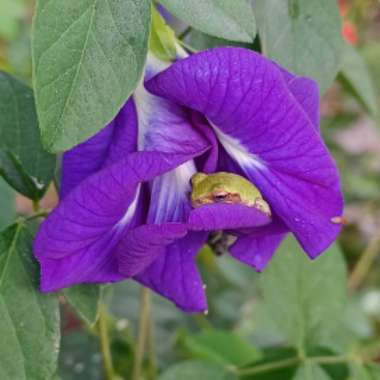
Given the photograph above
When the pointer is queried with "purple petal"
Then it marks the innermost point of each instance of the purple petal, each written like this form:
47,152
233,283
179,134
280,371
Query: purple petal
75,243
306,92
164,126
113,142
219,216
142,245
267,133
256,251
175,276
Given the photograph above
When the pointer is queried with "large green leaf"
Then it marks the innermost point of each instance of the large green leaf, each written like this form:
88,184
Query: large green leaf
232,20
356,73
7,204
84,299
302,35
221,347
196,370
304,299
23,162
29,320
88,58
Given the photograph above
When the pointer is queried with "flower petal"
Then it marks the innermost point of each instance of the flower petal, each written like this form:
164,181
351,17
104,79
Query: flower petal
164,126
113,142
219,216
142,245
266,132
306,92
74,244
256,251
175,276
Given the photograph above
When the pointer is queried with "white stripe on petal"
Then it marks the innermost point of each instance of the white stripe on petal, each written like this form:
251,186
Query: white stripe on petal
237,151
130,211
170,192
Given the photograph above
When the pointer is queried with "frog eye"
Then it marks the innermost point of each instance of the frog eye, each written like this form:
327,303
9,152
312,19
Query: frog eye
220,196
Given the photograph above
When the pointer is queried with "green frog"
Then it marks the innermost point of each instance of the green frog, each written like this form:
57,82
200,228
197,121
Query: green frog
223,187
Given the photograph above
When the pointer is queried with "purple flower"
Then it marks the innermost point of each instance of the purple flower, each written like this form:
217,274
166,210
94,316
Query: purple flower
125,210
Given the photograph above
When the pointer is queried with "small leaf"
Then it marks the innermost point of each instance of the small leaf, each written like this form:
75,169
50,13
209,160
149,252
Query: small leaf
356,73
29,320
88,58
304,299
232,20
221,347
311,372
84,299
303,36
196,370
162,38
23,162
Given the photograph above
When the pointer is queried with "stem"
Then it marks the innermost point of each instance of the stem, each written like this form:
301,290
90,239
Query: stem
269,366
285,363
36,205
142,333
150,344
39,214
105,343
187,47
364,264
328,359
184,33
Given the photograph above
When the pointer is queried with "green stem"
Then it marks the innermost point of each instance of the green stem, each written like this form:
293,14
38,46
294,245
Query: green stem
105,342
329,359
364,264
184,33
39,214
142,333
285,363
36,205
188,47
151,352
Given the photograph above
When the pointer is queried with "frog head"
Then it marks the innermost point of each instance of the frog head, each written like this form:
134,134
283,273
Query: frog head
223,187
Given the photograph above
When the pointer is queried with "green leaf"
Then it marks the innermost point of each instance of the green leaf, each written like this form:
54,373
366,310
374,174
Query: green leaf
23,162
221,347
29,320
196,370
162,38
202,41
356,73
84,299
304,36
88,57
311,372
304,299
7,204
232,20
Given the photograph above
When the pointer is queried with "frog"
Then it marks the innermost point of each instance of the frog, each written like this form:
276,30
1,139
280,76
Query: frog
224,187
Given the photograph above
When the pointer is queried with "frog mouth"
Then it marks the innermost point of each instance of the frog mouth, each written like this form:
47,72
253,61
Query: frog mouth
223,197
